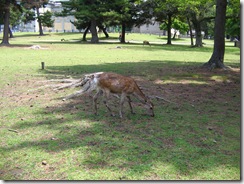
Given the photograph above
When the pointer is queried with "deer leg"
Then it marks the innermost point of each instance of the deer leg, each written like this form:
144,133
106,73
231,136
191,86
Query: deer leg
106,95
122,100
95,100
129,101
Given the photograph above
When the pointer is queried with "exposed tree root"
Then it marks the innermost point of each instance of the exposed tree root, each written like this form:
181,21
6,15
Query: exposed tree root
62,84
212,65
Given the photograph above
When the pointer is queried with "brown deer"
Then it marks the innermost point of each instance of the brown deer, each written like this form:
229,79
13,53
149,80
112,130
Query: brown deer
106,83
145,42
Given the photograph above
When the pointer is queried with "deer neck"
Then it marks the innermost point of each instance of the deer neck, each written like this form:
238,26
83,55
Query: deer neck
140,95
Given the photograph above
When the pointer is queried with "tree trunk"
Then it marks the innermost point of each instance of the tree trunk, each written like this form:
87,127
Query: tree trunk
198,33
190,29
10,32
174,35
5,40
93,30
169,26
86,31
123,33
217,58
198,42
105,31
39,22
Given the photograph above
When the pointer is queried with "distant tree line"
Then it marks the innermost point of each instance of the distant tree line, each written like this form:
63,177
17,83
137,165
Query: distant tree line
197,15
184,15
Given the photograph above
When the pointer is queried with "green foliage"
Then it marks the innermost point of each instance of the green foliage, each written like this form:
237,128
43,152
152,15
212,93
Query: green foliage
109,14
15,15
233,18
84,11
30,4
46,19
165,9
177,25
13,7
27,16
197,7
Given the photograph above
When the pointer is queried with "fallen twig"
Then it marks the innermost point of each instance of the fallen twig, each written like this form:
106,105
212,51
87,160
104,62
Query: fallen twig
11,130
161,98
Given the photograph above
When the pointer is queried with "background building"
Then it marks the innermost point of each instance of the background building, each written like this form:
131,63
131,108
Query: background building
149,28
61,24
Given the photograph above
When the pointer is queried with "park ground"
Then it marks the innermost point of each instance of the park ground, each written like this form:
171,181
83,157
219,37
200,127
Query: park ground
195,136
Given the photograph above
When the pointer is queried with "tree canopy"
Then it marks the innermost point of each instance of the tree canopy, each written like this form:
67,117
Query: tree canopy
90,14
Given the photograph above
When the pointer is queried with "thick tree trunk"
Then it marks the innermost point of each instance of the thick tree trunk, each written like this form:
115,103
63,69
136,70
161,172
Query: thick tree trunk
217,58
39,22
198,42
93,30
5,40
122,40
198,33
169,25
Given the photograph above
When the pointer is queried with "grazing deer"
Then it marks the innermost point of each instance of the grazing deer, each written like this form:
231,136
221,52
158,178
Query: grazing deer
106,83
145,42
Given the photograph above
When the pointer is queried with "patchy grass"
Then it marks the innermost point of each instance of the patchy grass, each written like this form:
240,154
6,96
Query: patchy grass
44,138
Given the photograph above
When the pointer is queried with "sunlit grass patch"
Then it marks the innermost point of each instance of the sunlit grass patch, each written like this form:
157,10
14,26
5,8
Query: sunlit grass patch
219,78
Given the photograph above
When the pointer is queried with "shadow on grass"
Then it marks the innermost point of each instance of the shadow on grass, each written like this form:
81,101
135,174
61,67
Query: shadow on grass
36,34
133,45
191,137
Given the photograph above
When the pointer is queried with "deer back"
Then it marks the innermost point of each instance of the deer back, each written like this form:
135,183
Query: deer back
116,83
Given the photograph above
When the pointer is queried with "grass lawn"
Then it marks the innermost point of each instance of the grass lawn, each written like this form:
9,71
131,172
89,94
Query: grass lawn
44,138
